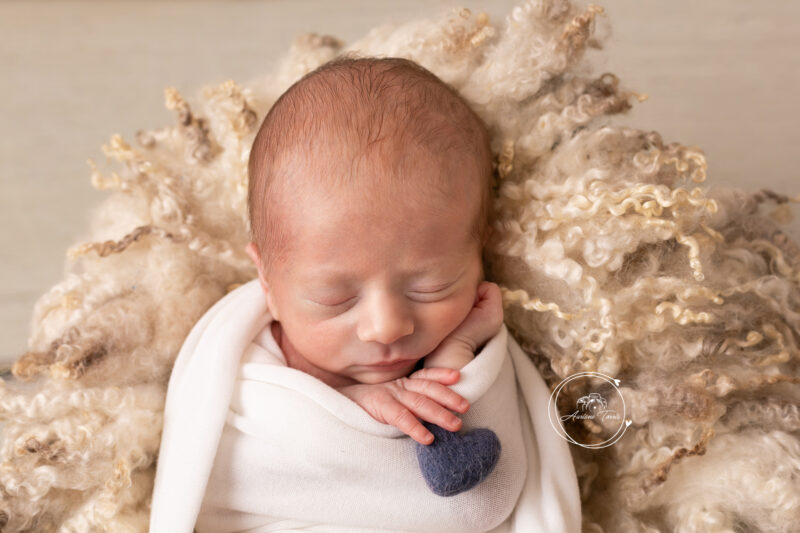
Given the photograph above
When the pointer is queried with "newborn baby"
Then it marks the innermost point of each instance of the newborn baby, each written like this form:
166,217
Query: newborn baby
369,203
370,189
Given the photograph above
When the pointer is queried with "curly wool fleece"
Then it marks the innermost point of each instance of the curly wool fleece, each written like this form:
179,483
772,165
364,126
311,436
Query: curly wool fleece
607,260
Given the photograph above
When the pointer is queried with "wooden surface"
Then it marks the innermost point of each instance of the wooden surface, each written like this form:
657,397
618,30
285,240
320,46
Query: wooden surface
720,74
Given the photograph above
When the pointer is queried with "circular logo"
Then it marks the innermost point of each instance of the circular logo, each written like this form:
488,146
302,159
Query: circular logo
593,423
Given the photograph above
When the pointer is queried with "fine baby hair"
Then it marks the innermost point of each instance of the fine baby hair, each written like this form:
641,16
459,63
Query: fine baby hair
610,255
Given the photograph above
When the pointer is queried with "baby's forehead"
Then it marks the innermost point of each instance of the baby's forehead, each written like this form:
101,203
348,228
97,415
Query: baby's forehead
330,230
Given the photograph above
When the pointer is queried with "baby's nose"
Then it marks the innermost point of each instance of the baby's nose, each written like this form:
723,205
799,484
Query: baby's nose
385,321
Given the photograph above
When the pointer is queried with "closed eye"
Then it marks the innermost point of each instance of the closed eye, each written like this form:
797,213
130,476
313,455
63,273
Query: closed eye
336,304
425,293
433,288
434,291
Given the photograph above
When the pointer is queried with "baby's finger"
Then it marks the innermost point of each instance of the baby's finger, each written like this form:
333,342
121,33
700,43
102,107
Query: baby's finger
488,292
428,410
401,418
445,376
439,393
484,287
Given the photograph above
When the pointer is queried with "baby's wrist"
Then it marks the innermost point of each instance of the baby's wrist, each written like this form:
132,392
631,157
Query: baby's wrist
452,353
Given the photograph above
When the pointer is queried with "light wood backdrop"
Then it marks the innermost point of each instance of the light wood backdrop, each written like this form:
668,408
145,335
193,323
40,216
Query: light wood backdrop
720,74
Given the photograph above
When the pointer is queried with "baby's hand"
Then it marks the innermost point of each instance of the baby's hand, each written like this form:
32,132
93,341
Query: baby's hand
481,324
423,394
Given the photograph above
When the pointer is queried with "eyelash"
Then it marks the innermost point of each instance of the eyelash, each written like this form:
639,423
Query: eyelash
415,292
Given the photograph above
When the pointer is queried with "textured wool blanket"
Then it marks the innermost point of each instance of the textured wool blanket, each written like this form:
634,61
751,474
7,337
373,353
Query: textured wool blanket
251,444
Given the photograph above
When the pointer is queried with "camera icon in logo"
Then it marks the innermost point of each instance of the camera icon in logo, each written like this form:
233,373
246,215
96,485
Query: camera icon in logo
592,403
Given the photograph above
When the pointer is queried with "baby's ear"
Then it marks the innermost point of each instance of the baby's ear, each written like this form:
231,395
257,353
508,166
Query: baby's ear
252,251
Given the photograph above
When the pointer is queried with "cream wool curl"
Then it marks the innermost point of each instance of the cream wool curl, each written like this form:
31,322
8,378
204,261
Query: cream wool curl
610,258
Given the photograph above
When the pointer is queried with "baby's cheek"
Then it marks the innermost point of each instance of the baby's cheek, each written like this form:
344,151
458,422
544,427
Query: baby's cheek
444,317
311,335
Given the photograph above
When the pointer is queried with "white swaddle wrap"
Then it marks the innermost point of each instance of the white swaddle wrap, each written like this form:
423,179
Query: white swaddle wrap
251,444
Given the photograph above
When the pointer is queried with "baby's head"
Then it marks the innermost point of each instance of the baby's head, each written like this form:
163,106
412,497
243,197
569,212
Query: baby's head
370,188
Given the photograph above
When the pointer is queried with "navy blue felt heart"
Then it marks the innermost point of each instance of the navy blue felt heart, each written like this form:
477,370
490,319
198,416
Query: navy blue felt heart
456,462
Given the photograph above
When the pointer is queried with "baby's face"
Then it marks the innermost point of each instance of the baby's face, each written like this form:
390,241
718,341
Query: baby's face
369,287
